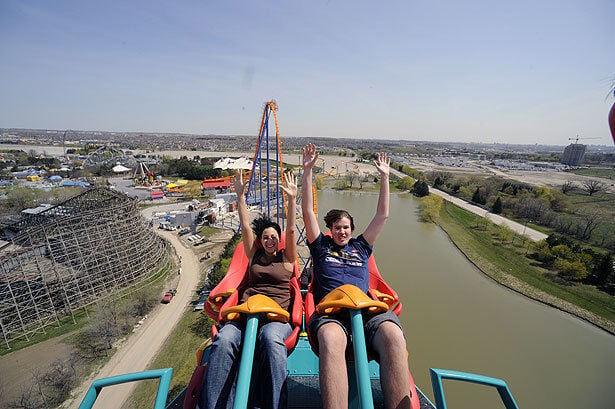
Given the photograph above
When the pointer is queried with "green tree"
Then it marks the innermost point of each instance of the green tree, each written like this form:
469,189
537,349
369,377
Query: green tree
479,197
420,188
544,194
405,183
574,270
429,208
603,270
497,206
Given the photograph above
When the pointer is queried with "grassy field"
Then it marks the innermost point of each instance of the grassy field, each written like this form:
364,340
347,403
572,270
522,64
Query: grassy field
179,353
601,203
596,172
66,325
504,260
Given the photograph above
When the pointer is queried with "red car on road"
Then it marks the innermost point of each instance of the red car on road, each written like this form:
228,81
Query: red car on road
166,298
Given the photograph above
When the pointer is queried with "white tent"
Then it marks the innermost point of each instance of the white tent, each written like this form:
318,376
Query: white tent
228,163
120,169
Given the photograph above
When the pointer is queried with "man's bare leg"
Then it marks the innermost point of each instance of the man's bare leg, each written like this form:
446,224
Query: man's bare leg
390,344
332,365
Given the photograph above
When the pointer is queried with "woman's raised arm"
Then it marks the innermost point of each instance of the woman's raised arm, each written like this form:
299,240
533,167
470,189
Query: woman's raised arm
291,217
247,234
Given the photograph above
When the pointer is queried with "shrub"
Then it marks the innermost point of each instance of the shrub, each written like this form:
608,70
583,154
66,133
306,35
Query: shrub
429,208
405,183
562,251
570,269
420,188
543,252
497,206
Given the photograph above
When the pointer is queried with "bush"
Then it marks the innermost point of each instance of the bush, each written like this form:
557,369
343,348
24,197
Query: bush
143,301
544,253
562,251
429,208
570,269
341,185
405,183
497,206
420,189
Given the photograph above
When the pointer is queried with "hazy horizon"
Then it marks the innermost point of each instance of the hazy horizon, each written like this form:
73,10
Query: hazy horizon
477,71
60,131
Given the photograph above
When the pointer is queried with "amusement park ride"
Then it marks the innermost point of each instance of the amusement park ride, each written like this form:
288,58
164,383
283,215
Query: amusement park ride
264,192
145,179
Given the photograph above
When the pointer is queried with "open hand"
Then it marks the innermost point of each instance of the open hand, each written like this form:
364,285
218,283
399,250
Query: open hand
382,164
238,183
291,186
309,156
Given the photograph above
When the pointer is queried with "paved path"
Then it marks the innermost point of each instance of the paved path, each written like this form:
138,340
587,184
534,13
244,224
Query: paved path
519,228
139,350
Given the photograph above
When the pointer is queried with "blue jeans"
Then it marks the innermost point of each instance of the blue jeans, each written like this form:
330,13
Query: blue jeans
268,389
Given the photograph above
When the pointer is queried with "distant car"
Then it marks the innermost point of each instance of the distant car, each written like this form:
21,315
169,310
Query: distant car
200,305
166,298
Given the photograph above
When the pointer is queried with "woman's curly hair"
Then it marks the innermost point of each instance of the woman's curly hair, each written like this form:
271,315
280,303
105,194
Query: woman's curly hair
264,222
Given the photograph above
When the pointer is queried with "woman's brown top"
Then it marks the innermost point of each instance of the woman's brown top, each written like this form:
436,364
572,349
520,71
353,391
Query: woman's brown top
268,277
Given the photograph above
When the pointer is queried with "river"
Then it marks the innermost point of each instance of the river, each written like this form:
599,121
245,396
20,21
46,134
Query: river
456,318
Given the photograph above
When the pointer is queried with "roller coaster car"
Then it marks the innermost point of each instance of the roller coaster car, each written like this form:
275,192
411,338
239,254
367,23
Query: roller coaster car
224,296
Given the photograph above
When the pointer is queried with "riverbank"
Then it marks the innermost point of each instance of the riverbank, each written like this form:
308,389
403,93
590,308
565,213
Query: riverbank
514,270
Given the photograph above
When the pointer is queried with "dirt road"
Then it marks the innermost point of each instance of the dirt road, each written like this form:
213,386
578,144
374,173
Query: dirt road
138,350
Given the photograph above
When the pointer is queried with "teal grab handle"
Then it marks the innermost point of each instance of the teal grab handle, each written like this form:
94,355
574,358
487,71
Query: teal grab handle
360,358
161,396
437,375
246,363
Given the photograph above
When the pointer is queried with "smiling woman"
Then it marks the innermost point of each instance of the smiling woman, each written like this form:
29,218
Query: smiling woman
269,273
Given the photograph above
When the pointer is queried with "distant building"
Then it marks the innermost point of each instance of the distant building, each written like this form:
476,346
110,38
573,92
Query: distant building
573,154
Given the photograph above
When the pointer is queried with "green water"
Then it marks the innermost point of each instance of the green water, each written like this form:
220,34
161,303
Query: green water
456,318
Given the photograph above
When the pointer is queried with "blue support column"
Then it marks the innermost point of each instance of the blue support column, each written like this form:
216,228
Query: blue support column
360,358
245,365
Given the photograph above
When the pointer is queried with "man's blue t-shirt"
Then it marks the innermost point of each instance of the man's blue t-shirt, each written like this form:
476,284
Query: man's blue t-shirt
335,266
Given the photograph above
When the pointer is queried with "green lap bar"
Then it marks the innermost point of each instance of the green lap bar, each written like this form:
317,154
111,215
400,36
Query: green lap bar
245,365
360,358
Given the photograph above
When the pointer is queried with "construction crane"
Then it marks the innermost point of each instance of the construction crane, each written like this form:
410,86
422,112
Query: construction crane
576,140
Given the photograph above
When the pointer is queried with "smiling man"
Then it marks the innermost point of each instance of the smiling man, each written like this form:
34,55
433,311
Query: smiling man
341,259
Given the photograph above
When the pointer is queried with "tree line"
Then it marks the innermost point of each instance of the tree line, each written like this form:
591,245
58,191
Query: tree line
562,251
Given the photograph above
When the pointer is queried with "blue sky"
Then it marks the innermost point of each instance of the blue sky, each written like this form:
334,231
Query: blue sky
472,71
